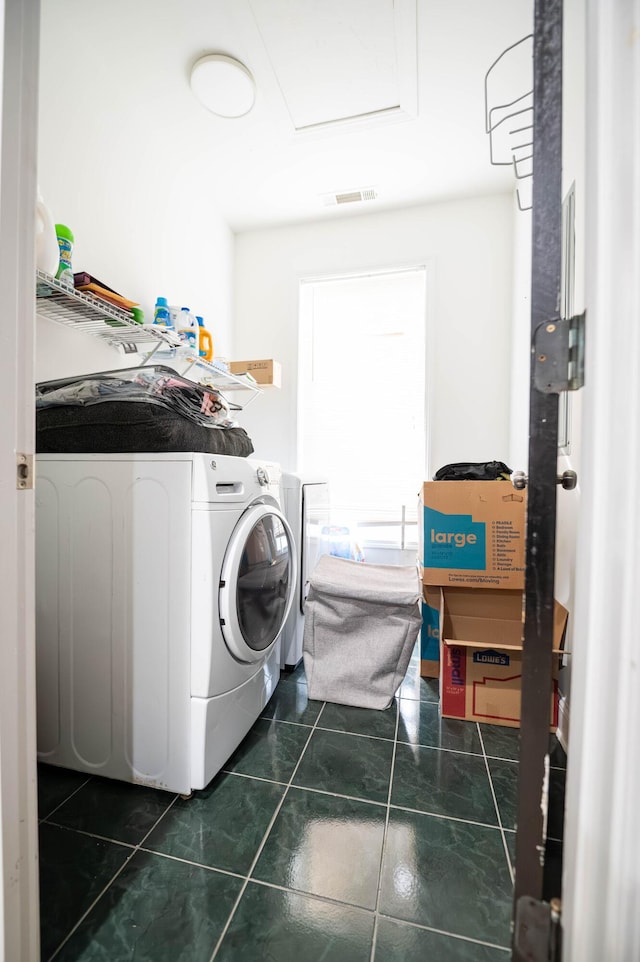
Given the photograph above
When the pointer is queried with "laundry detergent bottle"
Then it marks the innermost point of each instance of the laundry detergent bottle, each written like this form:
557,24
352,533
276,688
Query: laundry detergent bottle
187,329
161,312
205,341
65,246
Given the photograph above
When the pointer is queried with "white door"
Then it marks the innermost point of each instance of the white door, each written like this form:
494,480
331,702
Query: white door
19,924
601,893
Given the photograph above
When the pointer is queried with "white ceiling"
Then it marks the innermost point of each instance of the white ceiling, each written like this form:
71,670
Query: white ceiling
115,78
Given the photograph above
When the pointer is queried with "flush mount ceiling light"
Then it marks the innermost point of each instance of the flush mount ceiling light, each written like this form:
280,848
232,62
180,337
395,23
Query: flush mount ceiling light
223,85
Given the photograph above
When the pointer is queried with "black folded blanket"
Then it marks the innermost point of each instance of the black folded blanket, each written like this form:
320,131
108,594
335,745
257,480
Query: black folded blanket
114,427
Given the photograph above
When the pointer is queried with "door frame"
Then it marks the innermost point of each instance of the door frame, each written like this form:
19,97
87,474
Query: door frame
537,657
19,901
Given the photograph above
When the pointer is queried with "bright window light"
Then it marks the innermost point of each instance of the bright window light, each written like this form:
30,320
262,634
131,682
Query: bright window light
362,398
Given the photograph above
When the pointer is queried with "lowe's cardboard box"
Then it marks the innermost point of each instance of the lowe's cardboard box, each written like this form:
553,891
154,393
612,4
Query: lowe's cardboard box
472,533
266,372
481,655
430,633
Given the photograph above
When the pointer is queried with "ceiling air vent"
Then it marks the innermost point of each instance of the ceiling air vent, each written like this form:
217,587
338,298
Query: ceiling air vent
350,196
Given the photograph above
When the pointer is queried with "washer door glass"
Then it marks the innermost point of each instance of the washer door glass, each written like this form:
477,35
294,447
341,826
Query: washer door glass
258,582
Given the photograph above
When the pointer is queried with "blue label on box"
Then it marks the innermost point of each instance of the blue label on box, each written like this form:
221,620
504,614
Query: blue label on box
490,657
430,634
454,541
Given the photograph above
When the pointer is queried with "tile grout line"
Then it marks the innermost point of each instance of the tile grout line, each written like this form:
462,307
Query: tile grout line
495,802
188,861
243,888
369,801
380,738
326,899
65,800
342,731
283,721
384,839
86,834
451,935
337,731
301,788
447,818
324,791
383,915
439,748
112,879
255,778
93,904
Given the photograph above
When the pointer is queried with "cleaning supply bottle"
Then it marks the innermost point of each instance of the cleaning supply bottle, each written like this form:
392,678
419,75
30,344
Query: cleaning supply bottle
161,312
187,329
205,341
47,250
65,246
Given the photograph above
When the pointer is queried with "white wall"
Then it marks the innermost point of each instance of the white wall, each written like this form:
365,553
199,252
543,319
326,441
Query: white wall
521,340
467,246
135,198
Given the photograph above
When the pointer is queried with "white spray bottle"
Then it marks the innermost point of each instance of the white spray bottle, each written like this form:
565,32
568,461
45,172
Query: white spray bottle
47,250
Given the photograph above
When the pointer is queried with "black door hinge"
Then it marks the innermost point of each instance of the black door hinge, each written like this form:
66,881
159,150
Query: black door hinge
558,347
538,933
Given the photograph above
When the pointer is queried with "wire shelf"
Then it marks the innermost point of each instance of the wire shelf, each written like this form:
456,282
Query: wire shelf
89,314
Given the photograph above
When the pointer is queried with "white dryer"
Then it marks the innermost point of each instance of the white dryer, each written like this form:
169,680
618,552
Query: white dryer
305,502
163,582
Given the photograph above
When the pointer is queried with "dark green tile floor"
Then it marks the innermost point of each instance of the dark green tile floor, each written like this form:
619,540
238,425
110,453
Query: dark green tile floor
333,833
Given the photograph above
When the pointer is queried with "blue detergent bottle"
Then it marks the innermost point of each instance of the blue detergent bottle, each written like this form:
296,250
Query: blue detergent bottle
161,312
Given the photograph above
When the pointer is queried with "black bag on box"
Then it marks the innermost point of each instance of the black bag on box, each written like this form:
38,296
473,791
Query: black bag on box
474,471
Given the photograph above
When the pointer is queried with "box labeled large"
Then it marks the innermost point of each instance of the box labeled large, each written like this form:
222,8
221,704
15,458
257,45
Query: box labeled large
266,372
481,655
430,633
472,533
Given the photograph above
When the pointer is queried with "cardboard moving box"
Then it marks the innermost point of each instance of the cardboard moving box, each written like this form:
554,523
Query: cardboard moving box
472,533
481,655
430,633
267,372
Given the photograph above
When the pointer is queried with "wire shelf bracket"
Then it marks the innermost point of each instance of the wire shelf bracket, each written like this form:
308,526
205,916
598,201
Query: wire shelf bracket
508,107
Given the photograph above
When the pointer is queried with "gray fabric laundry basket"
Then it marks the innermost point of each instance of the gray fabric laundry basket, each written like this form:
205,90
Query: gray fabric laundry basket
361,624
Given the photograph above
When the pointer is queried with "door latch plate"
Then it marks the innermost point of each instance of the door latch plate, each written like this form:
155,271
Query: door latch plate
558,347
24,472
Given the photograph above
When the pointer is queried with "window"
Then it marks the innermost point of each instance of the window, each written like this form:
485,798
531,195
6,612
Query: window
362,398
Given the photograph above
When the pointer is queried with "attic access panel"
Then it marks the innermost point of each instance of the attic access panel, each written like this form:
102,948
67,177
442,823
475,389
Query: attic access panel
336,62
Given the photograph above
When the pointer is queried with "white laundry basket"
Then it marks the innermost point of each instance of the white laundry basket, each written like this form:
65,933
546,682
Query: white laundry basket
361,624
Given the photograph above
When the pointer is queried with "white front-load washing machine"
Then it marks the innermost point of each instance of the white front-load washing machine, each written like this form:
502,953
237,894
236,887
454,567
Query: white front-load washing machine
163,582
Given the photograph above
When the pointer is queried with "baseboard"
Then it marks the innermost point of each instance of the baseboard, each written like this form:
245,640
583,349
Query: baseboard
563,722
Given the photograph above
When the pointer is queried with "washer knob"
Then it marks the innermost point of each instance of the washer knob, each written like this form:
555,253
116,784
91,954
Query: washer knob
262,476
